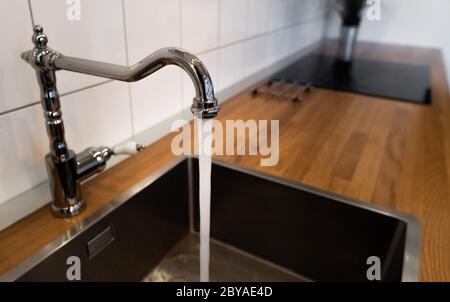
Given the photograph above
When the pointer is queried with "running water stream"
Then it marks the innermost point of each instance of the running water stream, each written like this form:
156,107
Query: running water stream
204,140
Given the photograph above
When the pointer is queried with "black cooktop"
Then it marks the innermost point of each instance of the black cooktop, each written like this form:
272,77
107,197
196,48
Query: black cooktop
404,82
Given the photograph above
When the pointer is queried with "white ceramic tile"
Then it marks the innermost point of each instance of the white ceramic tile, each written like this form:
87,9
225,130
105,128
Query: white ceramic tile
319,25
256,55
23,146
276,16
313,8
277,46
313,31
231,65
158,96
293,43
288,15
98,35
233,21
303,10
97,116
319,7
211,61
291,12
18,84
286,40
200,24
295,38
147,34
298,39
258,14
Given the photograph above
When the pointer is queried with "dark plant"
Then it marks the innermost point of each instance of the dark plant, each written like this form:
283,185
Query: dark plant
350,11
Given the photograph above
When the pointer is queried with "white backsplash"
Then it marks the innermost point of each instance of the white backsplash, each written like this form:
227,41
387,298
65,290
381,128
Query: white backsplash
234,38
98,35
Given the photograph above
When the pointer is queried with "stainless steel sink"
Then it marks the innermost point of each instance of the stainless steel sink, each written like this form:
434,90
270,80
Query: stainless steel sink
263,229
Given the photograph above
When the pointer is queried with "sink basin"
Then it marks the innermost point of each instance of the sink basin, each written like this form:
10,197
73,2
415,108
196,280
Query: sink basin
263,229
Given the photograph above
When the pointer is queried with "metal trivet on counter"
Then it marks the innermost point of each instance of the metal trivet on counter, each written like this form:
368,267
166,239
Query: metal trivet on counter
294,91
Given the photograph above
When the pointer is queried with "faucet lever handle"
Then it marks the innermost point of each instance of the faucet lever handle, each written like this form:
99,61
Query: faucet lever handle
93,160
128,148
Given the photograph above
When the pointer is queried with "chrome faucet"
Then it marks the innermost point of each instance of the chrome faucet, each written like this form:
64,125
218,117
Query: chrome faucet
66,170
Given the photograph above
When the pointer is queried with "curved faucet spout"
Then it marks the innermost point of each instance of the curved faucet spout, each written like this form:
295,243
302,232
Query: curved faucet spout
205,104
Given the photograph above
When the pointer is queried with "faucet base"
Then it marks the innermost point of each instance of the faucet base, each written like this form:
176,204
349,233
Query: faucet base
69,211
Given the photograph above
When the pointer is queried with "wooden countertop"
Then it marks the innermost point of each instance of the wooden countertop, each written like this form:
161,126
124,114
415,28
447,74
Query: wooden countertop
391,153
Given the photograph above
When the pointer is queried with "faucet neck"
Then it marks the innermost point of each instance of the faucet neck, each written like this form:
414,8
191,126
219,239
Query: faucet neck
204,105
52,113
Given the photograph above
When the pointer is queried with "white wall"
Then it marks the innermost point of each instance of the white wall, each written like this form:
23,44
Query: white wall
234,38
424,23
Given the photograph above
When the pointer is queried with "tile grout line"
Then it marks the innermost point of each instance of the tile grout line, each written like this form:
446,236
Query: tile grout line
127,61
180,28
31,13
267,24
19,108
33,103
61,95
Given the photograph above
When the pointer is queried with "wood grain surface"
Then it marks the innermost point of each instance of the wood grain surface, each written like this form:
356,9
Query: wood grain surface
391,153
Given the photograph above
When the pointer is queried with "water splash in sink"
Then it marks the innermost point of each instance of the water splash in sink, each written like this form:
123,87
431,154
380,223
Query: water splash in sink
204,140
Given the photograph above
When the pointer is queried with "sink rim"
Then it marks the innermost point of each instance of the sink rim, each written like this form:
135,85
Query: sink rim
411,255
